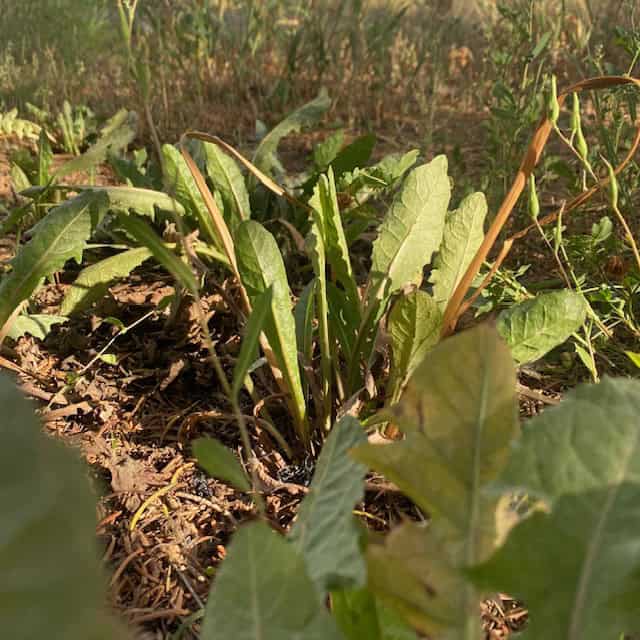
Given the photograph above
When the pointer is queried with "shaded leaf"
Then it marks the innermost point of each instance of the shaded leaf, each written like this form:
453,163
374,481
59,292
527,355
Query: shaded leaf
251,339
265,157
459,424
325,531
533,327
60,236
354,155
463,235
304,313
414,325
568,565
328,149
262,592
219,462
37,325
95,280
562,451
52,583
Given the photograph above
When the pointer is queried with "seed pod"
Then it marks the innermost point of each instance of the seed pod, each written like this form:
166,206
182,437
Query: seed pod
613,186
534,203
575,114
581,145
554,105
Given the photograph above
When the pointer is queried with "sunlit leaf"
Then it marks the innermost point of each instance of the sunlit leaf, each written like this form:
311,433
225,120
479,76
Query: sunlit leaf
37,325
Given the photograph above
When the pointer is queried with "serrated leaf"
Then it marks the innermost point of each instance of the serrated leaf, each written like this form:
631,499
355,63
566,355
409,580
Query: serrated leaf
229,181
219,462
251,339
459,413
60,236
325,531
533,327
49,568
261,266
569,565
147,237
463,235
94,281
180,182
37,325
414,325
262,592
265,157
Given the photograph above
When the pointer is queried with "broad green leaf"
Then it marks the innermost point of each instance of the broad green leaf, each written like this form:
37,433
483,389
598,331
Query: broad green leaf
180,182
571,566
414,325
52,582
533,327
411,231
382,175
265,157
563,451
229,181
463,234
261,266
60,236
95,280
459,413
263,592
147,237
251,340
37,325
325,531
407,238
113,139
219,462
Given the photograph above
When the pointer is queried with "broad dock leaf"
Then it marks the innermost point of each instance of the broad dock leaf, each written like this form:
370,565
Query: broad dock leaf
263,592
463,234
533,327
37,325
459,413
325,531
